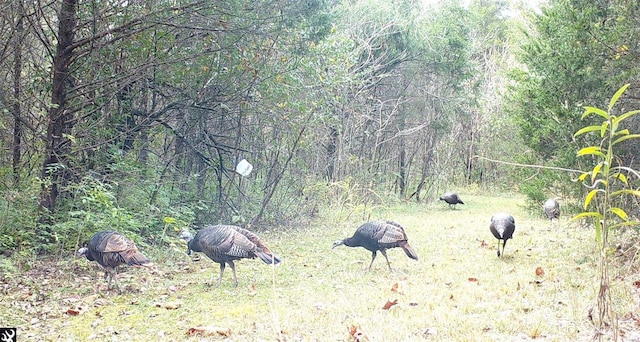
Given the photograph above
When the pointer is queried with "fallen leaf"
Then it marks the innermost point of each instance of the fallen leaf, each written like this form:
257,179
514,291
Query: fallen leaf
209,331
172,306
473,280
389,304
399,287
169,305
357,334
73,312
636,283
539,271
518,288
252,290
484,244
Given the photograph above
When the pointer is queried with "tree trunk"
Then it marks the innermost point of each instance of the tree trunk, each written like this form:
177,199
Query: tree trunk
59,118
17,94
331,149
427,159
402,179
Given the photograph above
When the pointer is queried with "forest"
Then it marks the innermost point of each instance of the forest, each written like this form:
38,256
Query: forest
136,116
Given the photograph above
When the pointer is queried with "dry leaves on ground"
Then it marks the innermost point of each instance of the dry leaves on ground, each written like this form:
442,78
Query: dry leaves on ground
357,334
389,304
209,331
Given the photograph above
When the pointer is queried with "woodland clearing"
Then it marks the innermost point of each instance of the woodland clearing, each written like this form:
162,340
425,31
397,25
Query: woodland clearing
459,290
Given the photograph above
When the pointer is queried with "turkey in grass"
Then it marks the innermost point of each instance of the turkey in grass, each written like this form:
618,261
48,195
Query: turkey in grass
452,199
552,209
502,227
112,249
377,236
225,244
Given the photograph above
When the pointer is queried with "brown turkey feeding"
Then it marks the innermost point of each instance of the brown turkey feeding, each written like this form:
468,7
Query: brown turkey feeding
452,199
112,249
379,235
225,244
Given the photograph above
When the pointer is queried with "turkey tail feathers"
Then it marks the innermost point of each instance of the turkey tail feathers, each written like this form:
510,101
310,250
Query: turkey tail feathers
409,251
137,259
268,257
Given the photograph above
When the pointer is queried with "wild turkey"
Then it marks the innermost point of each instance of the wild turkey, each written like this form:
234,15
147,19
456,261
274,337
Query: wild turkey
225,243
112,249
452,199
502,227
379,236
552,209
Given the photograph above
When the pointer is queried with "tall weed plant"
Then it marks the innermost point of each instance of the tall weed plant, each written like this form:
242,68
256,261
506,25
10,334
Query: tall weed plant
608,183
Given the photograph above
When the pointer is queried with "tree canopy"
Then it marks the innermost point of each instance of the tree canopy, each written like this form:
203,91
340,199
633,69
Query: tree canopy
134,115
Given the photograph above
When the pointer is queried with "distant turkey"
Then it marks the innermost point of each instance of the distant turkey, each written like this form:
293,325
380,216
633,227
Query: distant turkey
112,249
225,243
502,227
452,199
552,209
379,236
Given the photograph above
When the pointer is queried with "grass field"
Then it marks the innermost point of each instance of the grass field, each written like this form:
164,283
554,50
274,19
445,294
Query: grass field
459,290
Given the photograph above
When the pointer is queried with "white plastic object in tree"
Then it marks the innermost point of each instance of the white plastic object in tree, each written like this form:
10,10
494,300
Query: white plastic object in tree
244,168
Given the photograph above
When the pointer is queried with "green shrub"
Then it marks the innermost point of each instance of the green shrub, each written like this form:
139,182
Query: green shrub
609,183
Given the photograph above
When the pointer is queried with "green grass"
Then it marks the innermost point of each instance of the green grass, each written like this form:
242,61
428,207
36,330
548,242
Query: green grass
459,290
